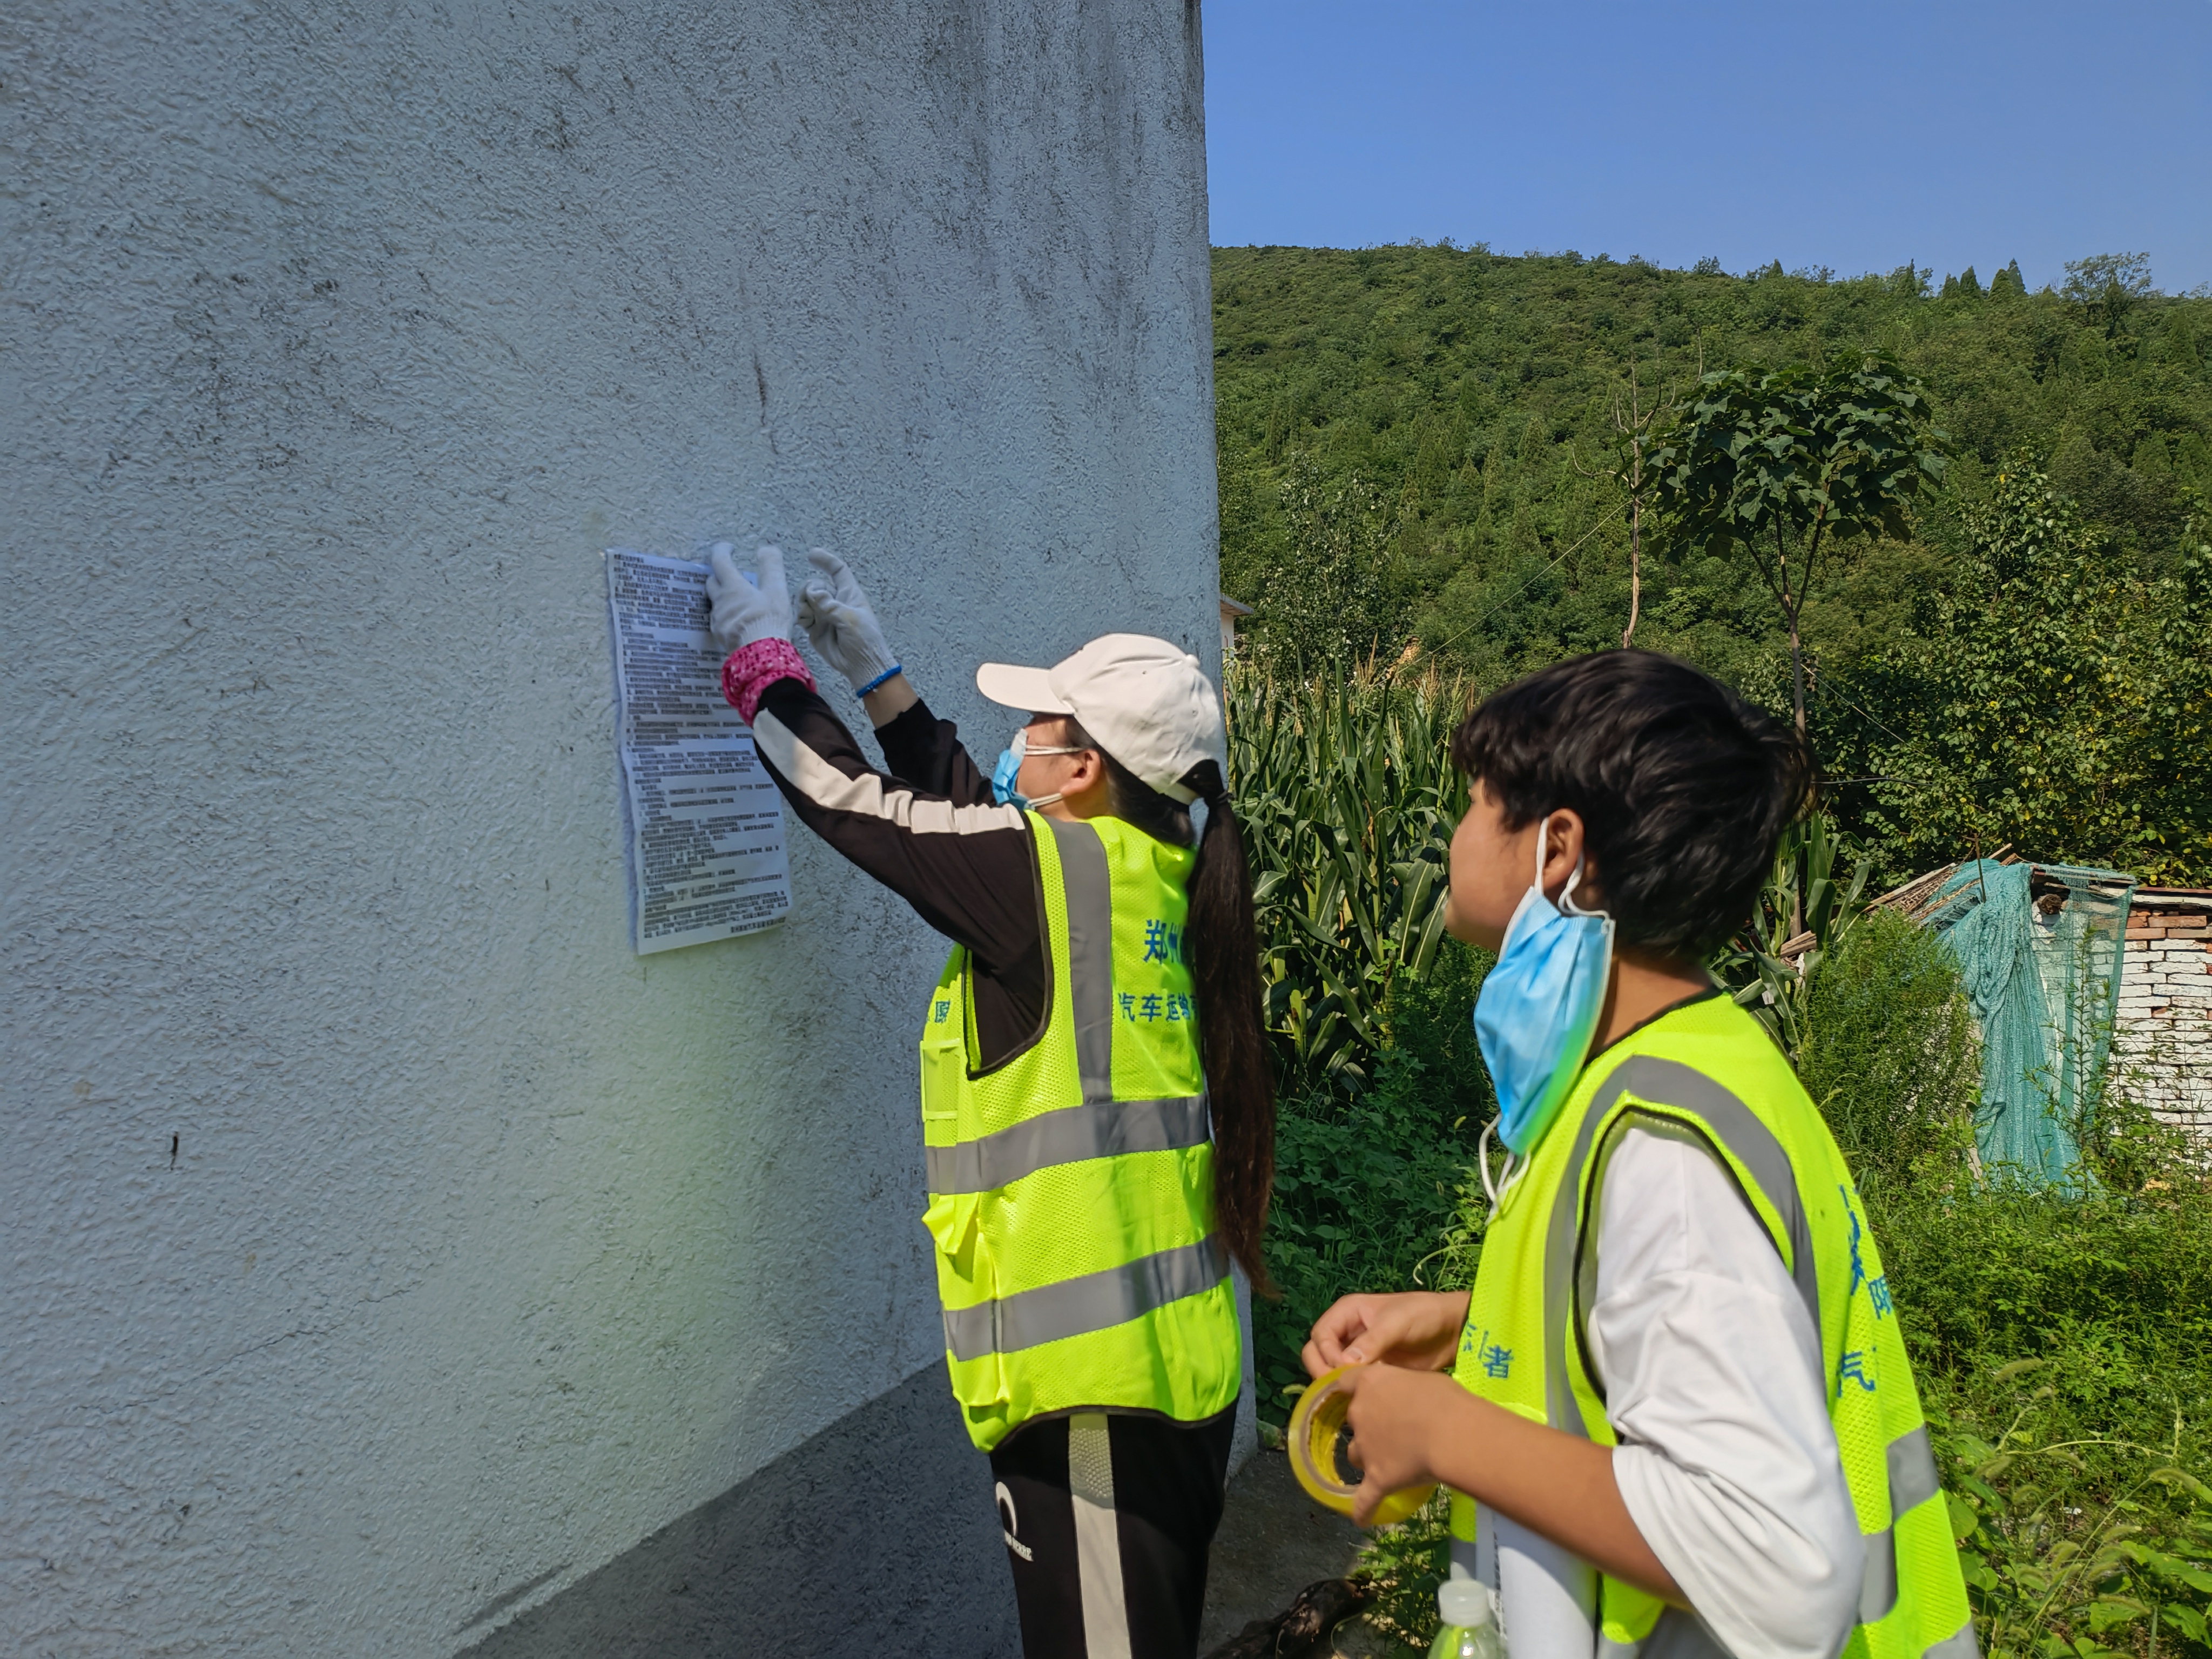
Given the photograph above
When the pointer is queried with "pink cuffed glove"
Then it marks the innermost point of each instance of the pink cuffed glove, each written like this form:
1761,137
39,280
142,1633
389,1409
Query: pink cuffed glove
749,670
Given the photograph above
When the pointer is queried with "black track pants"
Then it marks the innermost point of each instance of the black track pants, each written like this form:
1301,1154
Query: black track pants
1108,1517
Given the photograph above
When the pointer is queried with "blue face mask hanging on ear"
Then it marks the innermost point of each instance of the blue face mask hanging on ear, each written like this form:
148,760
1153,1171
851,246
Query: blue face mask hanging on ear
1539,1005
1010,767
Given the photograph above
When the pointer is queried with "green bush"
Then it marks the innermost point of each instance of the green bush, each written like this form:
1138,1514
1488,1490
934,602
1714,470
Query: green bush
2064,1345
1890,1055
1365,1184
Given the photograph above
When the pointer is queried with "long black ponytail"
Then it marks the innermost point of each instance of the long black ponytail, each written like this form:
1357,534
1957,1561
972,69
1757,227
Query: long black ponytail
1222,944
1239,1078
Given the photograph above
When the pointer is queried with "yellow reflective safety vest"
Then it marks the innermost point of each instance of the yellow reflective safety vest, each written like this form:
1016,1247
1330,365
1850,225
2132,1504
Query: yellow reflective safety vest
1708,1069
1071,1186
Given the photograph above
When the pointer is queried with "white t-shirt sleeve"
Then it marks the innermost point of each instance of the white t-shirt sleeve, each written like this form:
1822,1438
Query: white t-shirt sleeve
1713,1380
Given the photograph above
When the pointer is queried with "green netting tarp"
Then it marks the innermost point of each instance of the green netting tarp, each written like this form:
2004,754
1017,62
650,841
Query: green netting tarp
2039,947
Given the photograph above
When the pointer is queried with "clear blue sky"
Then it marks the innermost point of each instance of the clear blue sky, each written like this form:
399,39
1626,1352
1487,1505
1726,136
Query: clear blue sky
1855,135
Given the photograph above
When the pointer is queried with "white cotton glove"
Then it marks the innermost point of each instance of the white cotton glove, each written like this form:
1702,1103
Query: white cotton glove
748,605
841,623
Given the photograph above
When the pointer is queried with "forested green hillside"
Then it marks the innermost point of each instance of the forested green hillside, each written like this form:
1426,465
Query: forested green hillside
1412,442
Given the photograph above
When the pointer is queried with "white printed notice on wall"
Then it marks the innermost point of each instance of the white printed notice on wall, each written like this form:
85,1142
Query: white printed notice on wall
701,814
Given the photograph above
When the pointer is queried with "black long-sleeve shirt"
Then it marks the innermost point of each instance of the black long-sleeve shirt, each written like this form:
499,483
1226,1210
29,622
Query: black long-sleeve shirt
927,828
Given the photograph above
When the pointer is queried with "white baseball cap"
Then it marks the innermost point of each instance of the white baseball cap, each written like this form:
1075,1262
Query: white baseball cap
1147,702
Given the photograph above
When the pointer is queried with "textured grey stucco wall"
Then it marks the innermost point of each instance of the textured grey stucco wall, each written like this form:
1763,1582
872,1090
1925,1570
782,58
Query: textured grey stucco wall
879,1536
338,341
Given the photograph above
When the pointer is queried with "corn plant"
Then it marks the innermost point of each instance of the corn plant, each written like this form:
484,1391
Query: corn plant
1349,799
1807,908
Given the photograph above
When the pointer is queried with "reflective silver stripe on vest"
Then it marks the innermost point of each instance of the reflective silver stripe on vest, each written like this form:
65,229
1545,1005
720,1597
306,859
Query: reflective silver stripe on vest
1105,1129
1913,1478
1960,1645
1089,892
1091,1301
1558,1268
1878,1586
1912,1481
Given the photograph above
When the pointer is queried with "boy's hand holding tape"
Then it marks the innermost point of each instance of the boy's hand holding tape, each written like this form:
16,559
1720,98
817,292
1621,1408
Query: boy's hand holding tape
1413,1425
1416,1329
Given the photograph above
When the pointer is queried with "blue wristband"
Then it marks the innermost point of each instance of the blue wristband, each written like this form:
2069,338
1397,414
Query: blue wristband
895,668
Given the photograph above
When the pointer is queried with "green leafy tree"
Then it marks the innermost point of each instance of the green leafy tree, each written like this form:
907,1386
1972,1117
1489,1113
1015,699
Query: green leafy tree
2109,285
1324,596
2053,697
1909,281
1633,418
1785,466
2180,343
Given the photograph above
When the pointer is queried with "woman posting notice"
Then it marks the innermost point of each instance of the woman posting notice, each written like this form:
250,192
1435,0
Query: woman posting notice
1096,1111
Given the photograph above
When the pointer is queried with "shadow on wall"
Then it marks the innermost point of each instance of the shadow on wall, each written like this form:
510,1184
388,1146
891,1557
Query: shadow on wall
877,1536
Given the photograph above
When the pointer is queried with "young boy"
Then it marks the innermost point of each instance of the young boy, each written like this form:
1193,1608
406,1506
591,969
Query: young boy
1678,1417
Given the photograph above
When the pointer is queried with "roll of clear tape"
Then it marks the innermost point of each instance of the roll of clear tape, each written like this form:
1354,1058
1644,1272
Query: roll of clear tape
1317,1442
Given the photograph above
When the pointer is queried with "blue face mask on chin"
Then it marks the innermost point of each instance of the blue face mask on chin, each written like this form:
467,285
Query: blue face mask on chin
1010,767
1539,1006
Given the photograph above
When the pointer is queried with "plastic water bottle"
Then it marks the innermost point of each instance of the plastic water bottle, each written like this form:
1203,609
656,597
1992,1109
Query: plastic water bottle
1470,1622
